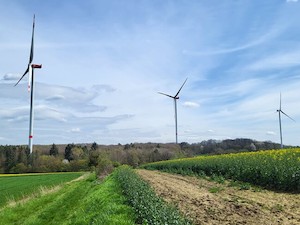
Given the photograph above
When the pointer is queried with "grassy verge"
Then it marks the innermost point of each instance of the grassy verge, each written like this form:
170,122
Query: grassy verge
149,208
81,202
18,186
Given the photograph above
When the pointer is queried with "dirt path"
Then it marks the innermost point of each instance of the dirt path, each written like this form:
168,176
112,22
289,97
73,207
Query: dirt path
228,205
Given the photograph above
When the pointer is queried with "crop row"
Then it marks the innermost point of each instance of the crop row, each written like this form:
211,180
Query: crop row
149,208
275,169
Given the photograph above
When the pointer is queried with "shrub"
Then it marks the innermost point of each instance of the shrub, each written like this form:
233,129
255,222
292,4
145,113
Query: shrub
104,167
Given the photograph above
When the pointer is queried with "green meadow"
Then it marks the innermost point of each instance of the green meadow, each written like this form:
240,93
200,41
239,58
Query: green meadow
86,201
14,187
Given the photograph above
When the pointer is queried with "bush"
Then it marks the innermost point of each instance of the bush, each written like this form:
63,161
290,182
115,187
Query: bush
104,168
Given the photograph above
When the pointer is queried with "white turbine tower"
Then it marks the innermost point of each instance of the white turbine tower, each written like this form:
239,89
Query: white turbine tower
175,97
30,71
279,113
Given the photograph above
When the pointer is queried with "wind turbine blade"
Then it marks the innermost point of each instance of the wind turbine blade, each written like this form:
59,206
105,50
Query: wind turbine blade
22,76
280,102
287,115
165,94
180,88
32,41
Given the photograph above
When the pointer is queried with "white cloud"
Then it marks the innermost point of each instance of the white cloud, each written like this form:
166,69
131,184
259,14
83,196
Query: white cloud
55,97
191,104
10,77
272,133
77,129
292,0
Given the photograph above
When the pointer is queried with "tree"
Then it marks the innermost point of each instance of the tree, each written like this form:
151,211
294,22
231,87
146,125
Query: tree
132,158
94,146
252,147
22,155
10,159
68,152
127,146
53,150
93,158
184,145
77,153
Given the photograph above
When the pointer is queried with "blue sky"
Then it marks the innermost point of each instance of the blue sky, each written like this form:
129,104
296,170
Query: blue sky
105,61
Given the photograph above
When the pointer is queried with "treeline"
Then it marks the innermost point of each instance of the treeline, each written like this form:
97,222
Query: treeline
212,147
81,157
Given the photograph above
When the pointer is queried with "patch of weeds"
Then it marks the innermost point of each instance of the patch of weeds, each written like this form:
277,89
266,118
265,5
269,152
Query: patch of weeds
201,174
245,186
233,183
256,189
215,189
240,185
218,179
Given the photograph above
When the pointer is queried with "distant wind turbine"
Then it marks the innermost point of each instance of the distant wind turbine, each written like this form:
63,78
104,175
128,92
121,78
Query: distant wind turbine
279,113
30,71
175,97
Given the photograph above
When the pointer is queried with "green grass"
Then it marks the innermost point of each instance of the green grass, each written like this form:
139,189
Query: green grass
216,189
15,187
81,202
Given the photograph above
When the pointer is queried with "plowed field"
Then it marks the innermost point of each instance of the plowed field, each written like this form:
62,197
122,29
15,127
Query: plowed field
206,202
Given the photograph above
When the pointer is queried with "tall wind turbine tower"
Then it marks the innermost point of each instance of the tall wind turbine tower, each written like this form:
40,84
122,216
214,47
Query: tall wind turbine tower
175,97
30,71
279,114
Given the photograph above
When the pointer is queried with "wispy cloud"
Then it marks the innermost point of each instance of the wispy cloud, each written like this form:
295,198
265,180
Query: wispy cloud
77,129
191,104
10,77
277,61
253,43
272,133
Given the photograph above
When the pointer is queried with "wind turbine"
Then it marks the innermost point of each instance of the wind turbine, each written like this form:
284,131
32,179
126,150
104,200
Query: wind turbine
279,113
30,71
175,97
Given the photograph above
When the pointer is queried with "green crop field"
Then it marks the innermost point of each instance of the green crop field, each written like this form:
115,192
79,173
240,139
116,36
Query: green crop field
14,187
275,169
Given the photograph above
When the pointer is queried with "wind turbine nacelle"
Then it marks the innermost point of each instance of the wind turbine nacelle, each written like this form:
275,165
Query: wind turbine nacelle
36,66
177,97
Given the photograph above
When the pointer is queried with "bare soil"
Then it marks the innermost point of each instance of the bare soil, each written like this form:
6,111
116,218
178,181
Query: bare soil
207,202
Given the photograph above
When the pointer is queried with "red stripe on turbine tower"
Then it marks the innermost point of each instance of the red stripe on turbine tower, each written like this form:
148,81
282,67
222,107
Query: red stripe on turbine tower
36,66
30,136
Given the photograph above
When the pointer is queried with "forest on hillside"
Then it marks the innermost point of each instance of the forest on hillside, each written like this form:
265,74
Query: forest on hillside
83,157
